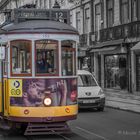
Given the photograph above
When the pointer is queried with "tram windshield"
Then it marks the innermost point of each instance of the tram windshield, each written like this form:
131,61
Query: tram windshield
68,57
21,56
46,57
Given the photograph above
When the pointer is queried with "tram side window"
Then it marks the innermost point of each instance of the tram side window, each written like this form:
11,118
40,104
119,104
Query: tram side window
6,61
21,57
47,57
68,58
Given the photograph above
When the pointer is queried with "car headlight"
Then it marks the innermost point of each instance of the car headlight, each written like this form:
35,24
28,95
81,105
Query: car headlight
101,92
47,101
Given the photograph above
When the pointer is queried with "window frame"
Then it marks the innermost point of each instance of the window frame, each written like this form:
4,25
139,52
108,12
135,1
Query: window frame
11,70
138,10
97,16
73,64
110,10
122,17
134,10
57,63
5,64
78,20
87,20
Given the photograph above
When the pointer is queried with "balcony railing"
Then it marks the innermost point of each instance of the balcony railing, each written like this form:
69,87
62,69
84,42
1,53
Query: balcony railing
130,30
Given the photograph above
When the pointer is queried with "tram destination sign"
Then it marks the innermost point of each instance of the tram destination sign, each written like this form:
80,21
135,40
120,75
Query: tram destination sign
62,15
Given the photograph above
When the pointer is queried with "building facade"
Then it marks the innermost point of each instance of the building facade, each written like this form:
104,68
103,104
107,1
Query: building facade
80,18
109,36
11,4
116,48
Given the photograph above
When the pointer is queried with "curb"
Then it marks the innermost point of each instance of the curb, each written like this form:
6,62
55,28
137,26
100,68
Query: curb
124,109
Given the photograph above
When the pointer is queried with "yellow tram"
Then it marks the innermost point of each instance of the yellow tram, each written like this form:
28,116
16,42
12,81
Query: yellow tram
38,71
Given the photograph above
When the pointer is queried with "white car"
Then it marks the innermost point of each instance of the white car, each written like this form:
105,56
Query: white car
90,94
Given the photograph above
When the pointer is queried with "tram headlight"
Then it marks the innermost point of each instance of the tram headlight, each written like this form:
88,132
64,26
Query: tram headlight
47,101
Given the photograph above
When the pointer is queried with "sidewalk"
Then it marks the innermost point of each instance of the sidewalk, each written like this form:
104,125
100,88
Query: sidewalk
123,100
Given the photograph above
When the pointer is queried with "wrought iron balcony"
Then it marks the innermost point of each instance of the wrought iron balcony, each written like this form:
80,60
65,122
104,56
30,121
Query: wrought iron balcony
130,30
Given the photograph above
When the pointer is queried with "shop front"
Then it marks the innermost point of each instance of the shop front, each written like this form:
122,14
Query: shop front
135,55
115,71
111,66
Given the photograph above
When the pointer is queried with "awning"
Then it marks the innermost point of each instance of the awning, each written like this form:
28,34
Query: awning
136,47
104,49
106,46
109,43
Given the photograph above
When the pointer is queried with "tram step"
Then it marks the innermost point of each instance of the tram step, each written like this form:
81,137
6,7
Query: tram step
46,128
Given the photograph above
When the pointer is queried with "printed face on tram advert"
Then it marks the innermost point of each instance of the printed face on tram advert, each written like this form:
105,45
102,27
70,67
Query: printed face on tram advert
35,91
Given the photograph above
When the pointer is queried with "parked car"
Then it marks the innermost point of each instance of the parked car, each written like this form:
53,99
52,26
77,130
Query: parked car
90,94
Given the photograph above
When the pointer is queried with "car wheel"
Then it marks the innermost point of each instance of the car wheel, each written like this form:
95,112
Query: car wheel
101,108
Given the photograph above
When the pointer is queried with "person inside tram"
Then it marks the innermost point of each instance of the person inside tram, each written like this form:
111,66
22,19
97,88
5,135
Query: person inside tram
49,66
40,64
44,64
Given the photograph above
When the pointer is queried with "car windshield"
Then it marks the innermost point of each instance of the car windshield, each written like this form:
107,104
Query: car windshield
86,80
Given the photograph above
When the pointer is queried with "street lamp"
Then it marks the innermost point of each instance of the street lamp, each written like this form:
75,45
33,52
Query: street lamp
56,5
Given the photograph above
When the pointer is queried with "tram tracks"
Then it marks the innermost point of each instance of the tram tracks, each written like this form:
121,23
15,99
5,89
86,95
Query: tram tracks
55,136
72,136
48,137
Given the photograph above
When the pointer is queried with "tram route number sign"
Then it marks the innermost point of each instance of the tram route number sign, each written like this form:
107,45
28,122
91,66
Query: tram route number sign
15,88
62,15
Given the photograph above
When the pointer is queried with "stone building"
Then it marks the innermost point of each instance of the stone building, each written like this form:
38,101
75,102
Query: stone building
117,49
11,4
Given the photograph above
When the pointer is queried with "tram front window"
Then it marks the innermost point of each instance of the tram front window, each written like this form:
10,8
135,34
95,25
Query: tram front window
68,58
21,57
46,57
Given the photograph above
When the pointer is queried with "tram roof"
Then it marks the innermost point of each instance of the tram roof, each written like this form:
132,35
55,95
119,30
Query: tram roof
38,26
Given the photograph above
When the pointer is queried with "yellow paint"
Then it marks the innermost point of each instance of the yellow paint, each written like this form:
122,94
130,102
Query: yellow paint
43,111
6,97
0,97
15,88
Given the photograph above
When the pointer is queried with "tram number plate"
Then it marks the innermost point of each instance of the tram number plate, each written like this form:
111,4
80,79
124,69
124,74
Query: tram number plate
89,101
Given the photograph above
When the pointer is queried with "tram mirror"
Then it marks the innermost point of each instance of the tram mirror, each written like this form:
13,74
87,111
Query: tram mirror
2,52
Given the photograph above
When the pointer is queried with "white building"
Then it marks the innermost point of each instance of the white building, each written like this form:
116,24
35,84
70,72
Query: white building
11,4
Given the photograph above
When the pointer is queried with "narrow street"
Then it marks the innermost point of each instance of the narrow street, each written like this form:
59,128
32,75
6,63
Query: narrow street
112,124
108,125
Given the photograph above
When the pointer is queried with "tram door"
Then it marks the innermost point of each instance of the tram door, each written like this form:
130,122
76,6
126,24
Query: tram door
0,86
2,58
